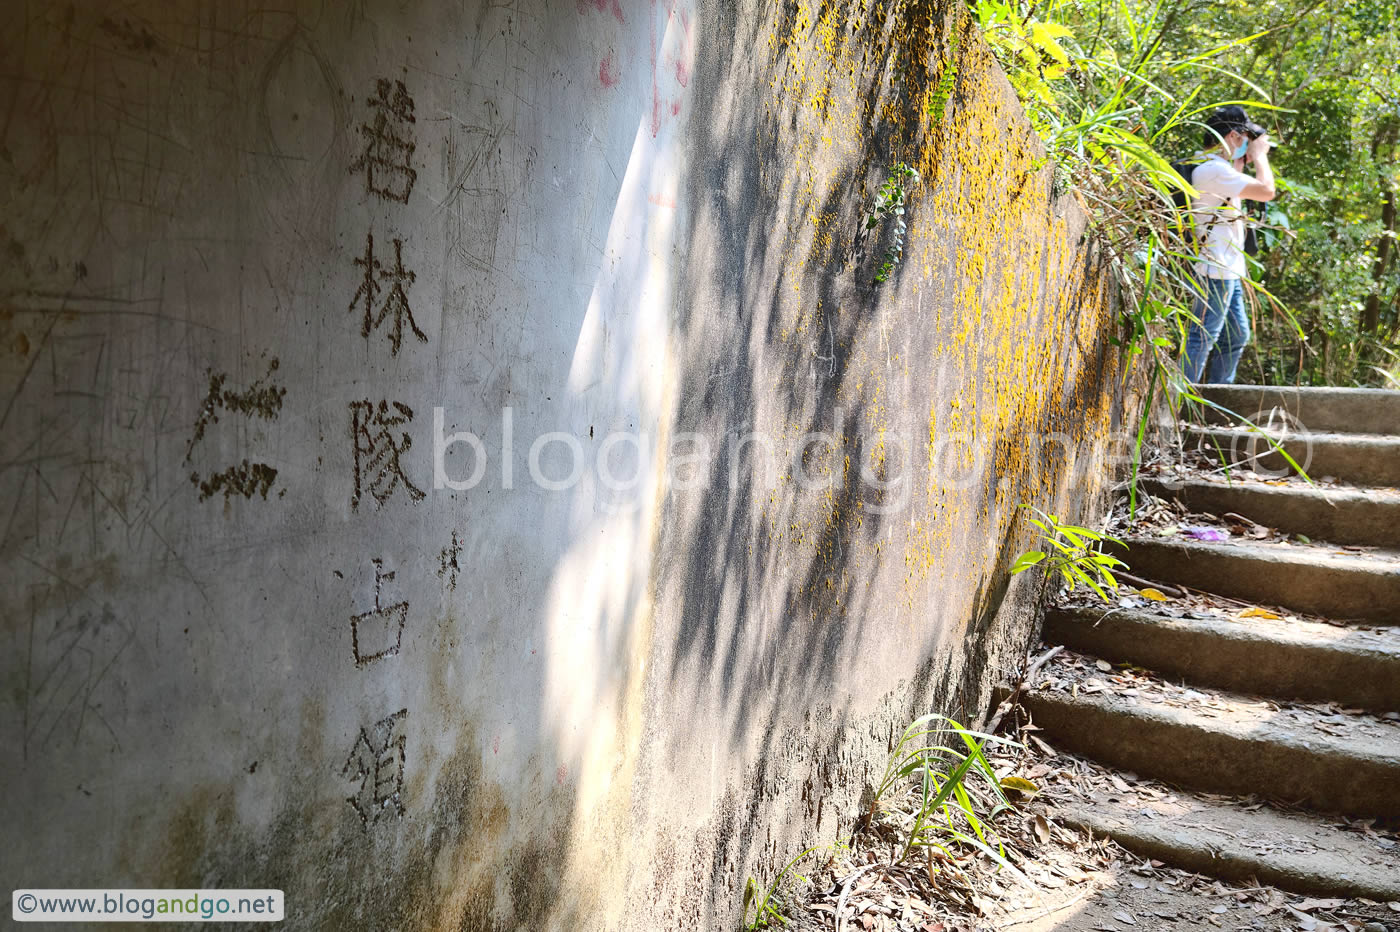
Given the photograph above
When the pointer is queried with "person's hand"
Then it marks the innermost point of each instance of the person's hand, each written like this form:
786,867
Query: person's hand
1257,147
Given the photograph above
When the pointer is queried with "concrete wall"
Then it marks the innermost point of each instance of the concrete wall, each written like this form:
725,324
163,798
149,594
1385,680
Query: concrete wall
258,260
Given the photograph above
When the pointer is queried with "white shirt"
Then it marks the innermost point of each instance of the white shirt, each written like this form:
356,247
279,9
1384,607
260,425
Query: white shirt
1219,221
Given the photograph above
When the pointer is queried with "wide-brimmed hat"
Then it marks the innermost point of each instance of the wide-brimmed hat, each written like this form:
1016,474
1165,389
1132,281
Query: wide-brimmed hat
1228,119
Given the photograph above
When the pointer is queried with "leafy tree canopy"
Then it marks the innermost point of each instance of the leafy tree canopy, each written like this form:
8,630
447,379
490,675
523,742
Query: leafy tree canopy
1322,75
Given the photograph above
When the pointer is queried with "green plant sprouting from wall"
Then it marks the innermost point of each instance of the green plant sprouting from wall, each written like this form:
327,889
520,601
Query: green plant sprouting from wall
1076,553
890,202
943,91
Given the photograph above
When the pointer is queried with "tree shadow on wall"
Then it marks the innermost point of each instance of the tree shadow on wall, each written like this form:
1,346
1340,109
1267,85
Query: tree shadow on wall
764,600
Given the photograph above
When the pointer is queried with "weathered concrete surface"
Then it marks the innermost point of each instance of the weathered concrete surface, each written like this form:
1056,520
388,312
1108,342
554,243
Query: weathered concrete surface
1296,852
1314,580
1365,459
1293,659
1369,517
255,638
1314,408
1231,745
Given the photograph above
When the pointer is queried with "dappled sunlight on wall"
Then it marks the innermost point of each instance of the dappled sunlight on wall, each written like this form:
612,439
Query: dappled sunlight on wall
816,599
598,608
274,283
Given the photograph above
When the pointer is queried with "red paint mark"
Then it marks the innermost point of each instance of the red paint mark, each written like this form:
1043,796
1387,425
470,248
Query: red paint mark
682,73
496,745
660,201
675,107
561,774
655,91
607,71
600,5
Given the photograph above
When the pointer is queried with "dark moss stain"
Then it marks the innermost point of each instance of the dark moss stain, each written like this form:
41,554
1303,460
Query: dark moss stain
135,38
534,869
460,861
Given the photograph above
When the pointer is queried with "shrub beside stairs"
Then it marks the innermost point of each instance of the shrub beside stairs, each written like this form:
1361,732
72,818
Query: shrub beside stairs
1303,711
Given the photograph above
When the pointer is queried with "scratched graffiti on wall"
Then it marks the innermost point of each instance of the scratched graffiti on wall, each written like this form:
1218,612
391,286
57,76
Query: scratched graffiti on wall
387,157
69,660
261,400
448,566
378,439
378,451
395,305
378,633
387,165
376,762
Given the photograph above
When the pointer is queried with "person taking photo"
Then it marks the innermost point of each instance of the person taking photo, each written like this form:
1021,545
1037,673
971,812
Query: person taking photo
1221,331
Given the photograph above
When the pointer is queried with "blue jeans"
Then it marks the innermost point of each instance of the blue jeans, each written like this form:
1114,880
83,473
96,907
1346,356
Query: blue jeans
1221,334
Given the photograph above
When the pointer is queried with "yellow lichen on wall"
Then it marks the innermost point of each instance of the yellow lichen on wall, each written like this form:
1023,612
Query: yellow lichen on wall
988,258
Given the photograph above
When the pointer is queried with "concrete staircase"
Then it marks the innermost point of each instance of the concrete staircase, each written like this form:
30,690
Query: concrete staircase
1303,709
1351,434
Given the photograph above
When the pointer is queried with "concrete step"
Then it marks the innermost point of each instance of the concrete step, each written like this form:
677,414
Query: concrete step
1220,742
1340,516
1365,459
1343,410
1220,838
1289,659
1313,579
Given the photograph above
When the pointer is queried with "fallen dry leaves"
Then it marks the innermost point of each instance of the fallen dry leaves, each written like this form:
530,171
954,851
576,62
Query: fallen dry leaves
1081,884
1080,674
